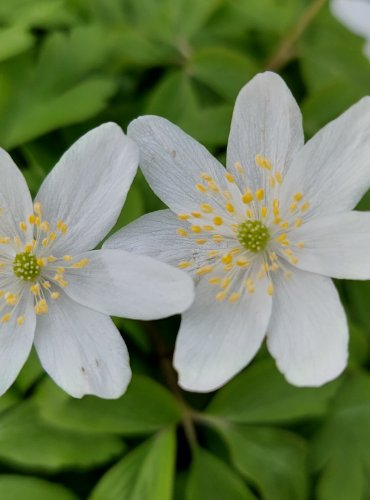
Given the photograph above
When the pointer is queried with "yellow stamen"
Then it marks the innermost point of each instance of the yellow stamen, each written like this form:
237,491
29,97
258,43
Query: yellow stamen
55,295
298,196
196,229
204,270
305,207
77,265
260,194
20,320
227,258
217,220
234,297
263,162
270,288
184,264
229,177
201,187
182,232
230,207
247,197
183,216
196,214
23,226
41,307
205,207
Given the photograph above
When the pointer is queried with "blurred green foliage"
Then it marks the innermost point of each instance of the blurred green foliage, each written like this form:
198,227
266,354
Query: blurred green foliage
68,65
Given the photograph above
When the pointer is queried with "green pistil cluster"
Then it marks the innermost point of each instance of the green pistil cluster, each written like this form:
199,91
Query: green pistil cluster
253,235
25,266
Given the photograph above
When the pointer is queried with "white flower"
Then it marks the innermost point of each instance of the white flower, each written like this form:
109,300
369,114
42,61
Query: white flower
355,15
260,237
55,290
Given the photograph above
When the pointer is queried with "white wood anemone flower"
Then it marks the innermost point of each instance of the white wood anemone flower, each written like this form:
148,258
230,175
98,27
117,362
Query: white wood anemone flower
58,292
262,237
355,15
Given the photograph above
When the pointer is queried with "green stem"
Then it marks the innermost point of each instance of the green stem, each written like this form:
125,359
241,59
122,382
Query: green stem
286,50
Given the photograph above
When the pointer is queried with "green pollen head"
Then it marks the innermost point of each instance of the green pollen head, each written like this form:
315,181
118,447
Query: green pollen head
25,266
253,235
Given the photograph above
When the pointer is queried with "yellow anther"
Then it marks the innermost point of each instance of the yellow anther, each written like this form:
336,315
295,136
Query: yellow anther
205,207
217,238
300,244
29,247
201,187
196,229
45,226
217,220
183,216
249,213
242,262
228,267
275,206
41,307
184,264
213,253
5,318
213,186
298,222
4,240
230,207
37,208
205,176
235,251
272,182
279,177
293,206
52,236
249,285
263,162
221,296
47,285
11,299
284,225
260,194
196,214
225,283
270,288
61,270
305,207
201,241
204,270
234,297
264,212
45,242
288,251
23,226
228,195
273,256
229,177
182,232
208,228
60,280
55,295
31,219
67,258
274,267
247,197
20,320
238,167
51,258
214,281
293,259
298,196
35,289
227,258
62,226
77,265
281,237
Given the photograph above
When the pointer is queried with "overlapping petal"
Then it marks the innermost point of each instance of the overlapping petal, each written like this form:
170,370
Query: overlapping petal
218,339
88,186
82,350
308,333
119,283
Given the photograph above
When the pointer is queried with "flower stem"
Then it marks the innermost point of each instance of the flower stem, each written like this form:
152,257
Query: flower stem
286,50
170,379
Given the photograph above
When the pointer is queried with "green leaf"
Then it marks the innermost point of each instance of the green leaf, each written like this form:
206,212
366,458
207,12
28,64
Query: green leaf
35,13
14,487
132,209
144,474
30,373
212,479
28,441
273,460
13,41
222,70
62,88
261,395
341,448
145,408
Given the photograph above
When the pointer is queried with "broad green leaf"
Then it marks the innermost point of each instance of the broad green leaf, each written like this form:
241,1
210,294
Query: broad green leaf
36,13
222,70
132,209
271,459
146,473
212,479
13,41
341,448
145,408
260,394
209,125
62,88
27,440
14,487
30,373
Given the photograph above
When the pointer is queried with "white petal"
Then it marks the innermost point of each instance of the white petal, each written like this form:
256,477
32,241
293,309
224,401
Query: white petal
88,186
218,339
16,342
133,286
355,14
155,235
333,168
172,162
336,245
308,334
82,350
15,198
266,121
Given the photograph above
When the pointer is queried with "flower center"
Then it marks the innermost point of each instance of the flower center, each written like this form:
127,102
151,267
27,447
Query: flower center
253,235
26,267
